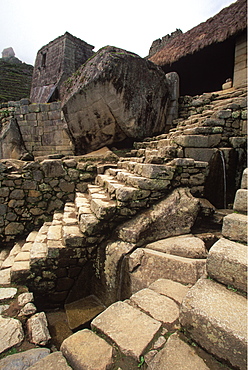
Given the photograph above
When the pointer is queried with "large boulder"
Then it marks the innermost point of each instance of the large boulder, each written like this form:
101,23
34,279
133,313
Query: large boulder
115,96
11,142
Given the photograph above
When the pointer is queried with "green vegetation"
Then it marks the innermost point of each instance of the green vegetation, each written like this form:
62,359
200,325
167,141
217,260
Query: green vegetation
11,351
230,287
15,81
142,360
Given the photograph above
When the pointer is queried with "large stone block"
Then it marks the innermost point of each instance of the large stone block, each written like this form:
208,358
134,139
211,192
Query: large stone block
215,317
227,263
53,168
27,359
38,329
198,141
244,182
170,289
235,227
11,141
115,95
129,328
11,333
146,266
172,216
54,360
177,354
161,308
200,154
85,350
185,246
240,201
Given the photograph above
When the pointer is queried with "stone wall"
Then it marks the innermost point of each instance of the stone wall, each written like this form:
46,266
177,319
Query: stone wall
30,192
159,44
233,117
42,127
240,67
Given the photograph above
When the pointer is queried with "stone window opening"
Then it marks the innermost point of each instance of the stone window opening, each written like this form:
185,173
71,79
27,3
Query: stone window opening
43,60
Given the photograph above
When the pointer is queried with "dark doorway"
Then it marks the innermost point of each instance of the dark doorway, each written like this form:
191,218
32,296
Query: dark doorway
205,70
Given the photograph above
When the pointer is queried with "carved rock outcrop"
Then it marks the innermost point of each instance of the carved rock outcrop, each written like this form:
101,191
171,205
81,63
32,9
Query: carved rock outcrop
116,95
11,142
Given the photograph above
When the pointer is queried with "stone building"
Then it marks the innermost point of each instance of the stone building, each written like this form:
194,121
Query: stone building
210,53
55,62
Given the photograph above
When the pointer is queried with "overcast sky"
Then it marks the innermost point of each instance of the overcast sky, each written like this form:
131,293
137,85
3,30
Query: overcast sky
27,25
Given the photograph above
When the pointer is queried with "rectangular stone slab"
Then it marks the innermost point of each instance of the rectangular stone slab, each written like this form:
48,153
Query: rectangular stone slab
152,265
177,354
235,227
130,329
170,289
216,318
227,263
85,350
157,305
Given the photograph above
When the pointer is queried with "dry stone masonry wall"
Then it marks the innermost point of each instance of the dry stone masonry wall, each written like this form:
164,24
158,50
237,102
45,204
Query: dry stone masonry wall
31,191
41,126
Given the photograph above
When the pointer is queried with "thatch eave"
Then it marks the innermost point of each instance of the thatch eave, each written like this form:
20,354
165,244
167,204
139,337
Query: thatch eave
228,22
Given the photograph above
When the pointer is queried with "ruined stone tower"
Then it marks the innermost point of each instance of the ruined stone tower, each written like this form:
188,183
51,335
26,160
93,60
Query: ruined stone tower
55,62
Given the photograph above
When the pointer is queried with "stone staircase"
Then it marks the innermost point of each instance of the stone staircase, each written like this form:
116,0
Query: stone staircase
214,312
217,122
159,271
51,259
156,166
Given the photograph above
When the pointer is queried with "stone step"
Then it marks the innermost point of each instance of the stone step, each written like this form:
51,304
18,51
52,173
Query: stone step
171,289
125,195
39,247
166,152
146,266
131,330
89,224
157,306
215,318
227,263
204,130
235,227
50,241
154,171
50,361
86,350
149,170
176,354
187,246
143,183
21,266
100,203
136,159
154,143
10,256
241,201
174,215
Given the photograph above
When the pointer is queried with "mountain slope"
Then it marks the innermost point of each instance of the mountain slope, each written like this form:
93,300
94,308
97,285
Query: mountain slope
15,80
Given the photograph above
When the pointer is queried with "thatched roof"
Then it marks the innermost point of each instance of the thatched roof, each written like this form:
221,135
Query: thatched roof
228,22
